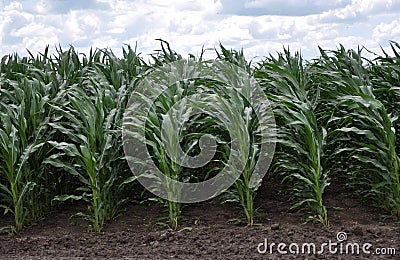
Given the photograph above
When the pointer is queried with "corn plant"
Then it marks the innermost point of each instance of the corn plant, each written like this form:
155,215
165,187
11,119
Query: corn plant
171,169
154,134
300,160
14,153
26,115
247,184
91,145
385,76
92,116
168,166
364,128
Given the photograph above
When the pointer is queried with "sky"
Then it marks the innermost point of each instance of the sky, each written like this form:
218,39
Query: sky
259,27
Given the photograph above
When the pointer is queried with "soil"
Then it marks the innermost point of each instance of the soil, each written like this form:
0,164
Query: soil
209,230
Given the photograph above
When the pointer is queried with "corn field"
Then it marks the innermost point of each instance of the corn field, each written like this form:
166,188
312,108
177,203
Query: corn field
336,118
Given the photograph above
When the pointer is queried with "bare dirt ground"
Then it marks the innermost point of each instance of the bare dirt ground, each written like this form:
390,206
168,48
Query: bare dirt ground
208,232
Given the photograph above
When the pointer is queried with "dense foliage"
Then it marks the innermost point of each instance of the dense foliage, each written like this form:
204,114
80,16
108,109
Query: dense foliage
62,114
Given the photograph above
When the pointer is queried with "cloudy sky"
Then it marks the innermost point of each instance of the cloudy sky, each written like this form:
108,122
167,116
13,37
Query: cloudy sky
258,26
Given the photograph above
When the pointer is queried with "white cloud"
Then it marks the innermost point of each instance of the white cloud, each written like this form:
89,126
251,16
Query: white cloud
359,10
33,29
291,7
258,26
387,31
105,42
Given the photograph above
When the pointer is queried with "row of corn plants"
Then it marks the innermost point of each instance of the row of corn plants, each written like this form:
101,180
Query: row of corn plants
364,116
28,87
62,118
261,131
91,121
61,132
300,157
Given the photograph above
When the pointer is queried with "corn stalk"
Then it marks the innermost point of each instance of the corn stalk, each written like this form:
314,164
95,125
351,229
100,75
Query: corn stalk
365,130
301,159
